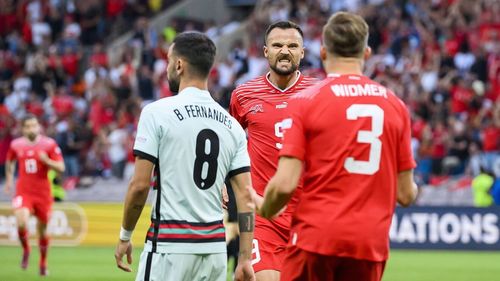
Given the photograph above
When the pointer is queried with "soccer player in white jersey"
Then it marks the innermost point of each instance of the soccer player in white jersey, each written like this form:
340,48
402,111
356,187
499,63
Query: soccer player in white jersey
193,144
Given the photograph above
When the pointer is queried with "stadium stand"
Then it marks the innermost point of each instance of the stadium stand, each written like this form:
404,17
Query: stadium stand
442,57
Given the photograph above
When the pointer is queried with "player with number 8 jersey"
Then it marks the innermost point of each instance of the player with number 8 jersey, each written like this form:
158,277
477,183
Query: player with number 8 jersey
193,144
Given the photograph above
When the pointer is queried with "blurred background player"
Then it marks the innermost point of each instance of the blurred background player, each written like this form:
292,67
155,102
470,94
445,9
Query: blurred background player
193,144
260,105
36,154
357,167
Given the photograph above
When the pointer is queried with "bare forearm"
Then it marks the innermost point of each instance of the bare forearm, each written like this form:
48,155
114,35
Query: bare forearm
134,203
57,166
274,200
9,171
246,223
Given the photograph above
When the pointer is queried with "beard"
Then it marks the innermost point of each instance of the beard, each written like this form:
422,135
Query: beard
31,136
173,84
281,71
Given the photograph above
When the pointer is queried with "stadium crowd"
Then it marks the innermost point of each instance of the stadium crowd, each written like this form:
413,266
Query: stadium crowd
442,57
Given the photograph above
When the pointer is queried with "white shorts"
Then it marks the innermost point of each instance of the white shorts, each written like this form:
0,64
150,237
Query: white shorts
182,267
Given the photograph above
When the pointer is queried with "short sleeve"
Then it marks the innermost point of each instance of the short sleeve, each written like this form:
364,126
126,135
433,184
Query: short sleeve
11,154
405,154
294,131
55,152
241,161
236,110
147,139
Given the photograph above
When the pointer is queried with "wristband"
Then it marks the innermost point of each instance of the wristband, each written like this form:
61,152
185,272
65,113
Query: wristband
125,235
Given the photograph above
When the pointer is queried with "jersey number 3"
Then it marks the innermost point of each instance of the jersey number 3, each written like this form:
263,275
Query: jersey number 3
376,113
205,164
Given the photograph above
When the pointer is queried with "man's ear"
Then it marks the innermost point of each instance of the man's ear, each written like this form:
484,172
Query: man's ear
368,53
180,65
322,53
266,51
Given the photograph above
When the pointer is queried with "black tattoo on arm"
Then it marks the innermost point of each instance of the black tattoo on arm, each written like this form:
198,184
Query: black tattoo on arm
246,222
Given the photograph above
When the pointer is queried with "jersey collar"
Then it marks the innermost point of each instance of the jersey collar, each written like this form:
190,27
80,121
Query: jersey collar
191,90
297,80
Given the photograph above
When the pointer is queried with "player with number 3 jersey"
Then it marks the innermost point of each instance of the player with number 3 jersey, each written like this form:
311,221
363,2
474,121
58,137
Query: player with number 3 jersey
351,136
260,106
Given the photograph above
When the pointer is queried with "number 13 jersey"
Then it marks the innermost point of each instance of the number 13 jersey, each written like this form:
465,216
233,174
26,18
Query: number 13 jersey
260,107
194,144
33,180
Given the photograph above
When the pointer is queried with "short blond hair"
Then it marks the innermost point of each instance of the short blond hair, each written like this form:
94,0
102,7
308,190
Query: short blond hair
345,35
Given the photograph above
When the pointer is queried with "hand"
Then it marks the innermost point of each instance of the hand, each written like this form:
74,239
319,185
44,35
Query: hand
244,271
123,247
42,155
225,197
257,199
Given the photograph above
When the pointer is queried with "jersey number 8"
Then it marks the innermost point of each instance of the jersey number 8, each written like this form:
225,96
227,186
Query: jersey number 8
204,175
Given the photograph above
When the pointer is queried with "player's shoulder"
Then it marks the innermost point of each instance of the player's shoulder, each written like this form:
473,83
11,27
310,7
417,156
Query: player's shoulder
256,84
313,90
307,81
18,142
45,140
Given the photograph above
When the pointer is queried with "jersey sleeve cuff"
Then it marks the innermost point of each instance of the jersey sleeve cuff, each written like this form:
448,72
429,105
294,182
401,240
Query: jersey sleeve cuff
407,165
238,171
293,151
146,156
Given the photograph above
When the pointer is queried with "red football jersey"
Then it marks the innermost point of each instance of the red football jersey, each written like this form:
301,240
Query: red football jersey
33,180
354,138
260,107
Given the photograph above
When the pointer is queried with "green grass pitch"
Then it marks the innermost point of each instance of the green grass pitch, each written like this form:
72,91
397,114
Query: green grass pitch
97,263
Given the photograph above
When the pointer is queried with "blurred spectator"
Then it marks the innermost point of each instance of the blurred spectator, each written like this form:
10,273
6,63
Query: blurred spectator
442,58
117,152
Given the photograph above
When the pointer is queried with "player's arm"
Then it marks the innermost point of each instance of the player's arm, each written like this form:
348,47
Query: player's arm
135,200
10,168
407,188
56,165
280,188
242,187
54,159
137,193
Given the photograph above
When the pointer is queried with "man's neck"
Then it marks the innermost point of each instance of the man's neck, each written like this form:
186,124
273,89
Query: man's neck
283,81
341,66
196,83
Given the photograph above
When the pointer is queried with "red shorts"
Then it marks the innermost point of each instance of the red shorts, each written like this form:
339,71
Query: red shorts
39,206
269,243
300,265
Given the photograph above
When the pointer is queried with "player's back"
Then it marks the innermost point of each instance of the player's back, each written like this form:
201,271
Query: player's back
198,143
357,142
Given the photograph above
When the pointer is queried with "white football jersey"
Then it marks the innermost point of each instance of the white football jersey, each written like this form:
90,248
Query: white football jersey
195,144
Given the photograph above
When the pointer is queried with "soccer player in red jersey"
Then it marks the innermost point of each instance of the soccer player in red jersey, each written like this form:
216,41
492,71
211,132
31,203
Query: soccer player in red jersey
351,136
259,106
35,154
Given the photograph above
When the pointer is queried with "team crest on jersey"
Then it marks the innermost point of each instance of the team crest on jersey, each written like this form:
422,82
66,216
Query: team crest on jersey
256,108
282,105
30,153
